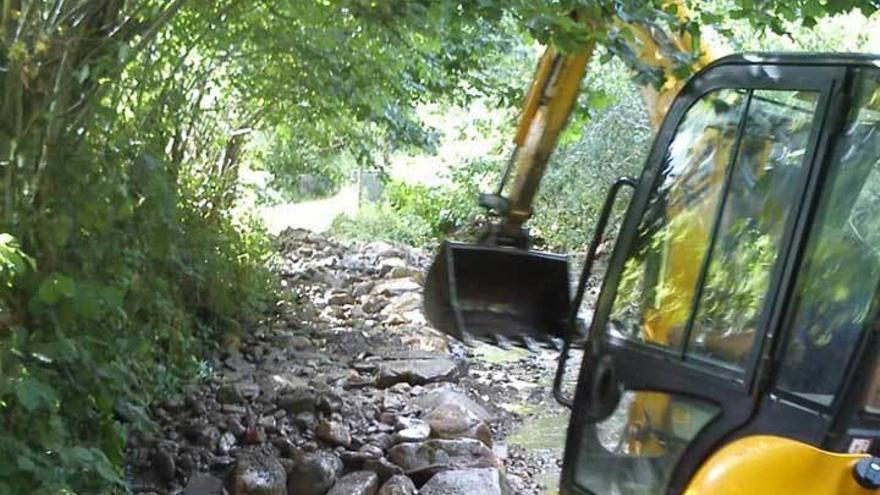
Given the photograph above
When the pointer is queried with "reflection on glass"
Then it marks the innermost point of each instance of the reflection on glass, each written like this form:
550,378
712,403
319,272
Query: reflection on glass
840,273
634,451
762,185
656,290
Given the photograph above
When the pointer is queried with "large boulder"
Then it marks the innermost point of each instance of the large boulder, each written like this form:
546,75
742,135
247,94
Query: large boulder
416,371
204,484
467,482
456,421
297,400
419,459
356,483
440,396
398,485
334,433
412,430
258,473
314,474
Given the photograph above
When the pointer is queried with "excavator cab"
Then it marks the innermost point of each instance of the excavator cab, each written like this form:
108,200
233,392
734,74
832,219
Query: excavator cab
733,348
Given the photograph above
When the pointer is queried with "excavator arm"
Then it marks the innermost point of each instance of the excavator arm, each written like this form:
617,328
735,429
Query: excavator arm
549,104
498,289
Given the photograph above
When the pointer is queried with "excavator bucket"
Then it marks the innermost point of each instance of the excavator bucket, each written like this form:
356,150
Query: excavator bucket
498,294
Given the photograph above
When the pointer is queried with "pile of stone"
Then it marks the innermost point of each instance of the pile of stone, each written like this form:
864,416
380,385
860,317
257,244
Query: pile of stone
344,390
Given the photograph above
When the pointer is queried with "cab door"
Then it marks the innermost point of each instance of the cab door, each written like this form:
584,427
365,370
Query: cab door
690,293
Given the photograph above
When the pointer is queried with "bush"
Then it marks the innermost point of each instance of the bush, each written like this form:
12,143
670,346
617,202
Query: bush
104,319
380,222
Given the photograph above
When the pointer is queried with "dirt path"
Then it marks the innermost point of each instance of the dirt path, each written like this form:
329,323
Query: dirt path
345,389
316,215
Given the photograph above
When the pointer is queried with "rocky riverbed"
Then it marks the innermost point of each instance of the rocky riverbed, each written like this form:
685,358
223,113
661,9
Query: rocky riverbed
345,390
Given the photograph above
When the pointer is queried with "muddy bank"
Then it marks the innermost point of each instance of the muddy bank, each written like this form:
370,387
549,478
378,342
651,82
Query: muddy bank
346,390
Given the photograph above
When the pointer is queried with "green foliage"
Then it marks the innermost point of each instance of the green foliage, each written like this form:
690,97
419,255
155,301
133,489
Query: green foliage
445,209
422,215
380,222
597,151
119,261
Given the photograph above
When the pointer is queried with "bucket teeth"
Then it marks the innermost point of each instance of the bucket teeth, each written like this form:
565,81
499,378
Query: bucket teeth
531,344
502,341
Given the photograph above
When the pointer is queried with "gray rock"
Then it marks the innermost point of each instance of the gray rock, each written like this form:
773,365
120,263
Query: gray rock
467,482
340,299
209,438
416,371
282,382
258,473
356,483
237,393
455,421
234,426
300,343
164,463
306,420
383,467
297,400
398,485
395,287
334,433
411,301
413,430
226,443
204,484
402,271
388,264
362,288
440,396
330,401
374,305
314,475
439,455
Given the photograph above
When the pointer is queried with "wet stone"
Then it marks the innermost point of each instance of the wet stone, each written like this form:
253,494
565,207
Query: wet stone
430,400
455,421
383,467
334,433
314,475
258,473
416,371
226,443
297,401
467,482
414,430
165,467
203,484
395,287
436,455
398,485
356,483
209,438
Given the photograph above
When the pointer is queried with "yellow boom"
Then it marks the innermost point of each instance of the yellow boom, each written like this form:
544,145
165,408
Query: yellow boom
552,96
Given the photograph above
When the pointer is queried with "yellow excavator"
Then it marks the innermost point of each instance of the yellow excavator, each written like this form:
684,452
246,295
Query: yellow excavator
733,347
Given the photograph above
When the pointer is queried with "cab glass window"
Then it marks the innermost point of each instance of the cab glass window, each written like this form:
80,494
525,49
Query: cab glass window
839,275
729,181
762,186
635,450
656,290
